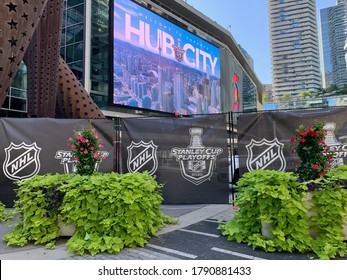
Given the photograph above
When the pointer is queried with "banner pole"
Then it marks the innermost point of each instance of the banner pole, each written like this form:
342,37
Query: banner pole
118,145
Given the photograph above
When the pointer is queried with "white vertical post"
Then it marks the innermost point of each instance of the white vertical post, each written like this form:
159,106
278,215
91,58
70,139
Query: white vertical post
87,44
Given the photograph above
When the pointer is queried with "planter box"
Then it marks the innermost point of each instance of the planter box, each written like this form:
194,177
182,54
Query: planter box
266,227
265,230
309,205
66,230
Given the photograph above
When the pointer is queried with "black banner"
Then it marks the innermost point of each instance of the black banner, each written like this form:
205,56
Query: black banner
264,138
31,146
181,153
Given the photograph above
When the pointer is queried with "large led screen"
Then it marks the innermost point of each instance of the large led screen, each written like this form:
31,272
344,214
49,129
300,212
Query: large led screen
160,66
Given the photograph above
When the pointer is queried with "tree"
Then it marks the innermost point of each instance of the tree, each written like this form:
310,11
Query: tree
332,88
284,100
305,93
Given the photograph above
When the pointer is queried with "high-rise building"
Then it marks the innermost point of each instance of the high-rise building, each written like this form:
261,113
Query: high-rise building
294,46
333,37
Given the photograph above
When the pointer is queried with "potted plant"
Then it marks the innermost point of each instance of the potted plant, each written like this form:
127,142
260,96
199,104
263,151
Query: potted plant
304,210
38,204
315,157
327,220
271,197
276,199
85,147
339,174
315,162
109,211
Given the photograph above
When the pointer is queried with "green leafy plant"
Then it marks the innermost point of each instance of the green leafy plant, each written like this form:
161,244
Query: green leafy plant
85,146
314,155
126,214
275,198
110,211
328,216
5,215
2,212
38,210
278,199
339,173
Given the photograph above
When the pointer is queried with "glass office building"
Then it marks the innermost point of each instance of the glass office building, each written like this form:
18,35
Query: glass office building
333,36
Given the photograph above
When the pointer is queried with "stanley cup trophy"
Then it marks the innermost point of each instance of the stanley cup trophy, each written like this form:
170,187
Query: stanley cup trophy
332,143
196,143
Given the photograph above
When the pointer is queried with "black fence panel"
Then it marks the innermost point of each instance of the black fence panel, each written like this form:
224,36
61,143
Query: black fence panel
30,146
182,153
264,138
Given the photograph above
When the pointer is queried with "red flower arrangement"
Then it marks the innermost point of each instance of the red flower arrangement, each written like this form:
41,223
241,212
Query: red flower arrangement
85,146
315,157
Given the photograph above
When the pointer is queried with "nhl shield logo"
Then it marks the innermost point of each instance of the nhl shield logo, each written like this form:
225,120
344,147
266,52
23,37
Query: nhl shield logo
265,154
142,156
196,172
22,161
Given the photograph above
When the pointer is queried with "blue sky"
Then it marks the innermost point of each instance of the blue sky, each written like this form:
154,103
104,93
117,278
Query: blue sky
247,21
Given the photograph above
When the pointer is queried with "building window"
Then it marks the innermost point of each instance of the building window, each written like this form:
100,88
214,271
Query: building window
282,14
295,23
296,44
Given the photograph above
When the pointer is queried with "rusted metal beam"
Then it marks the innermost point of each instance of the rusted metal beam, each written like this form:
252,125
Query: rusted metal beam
42,60
19,19
73,101
53,89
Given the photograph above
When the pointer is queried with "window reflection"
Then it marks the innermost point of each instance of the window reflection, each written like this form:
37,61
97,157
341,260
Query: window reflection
73,44
16,101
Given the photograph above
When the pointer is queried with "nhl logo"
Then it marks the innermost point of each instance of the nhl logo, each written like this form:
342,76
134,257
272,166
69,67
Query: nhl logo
70,165
265,154
142,156
22,161
196,161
